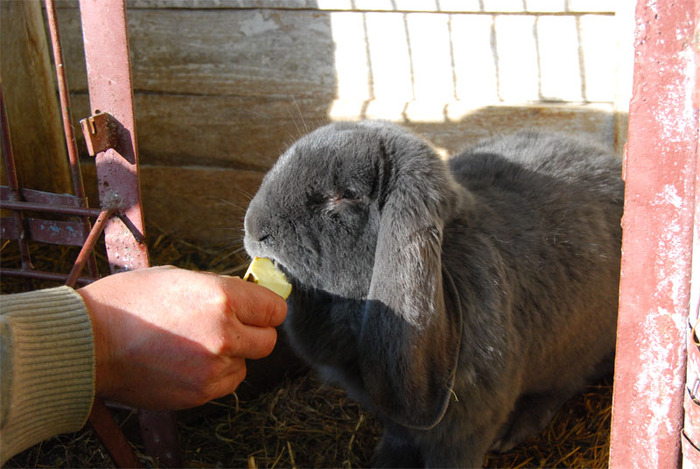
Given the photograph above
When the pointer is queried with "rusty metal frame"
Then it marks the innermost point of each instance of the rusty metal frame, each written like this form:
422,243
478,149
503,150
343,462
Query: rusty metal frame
111,138
660,173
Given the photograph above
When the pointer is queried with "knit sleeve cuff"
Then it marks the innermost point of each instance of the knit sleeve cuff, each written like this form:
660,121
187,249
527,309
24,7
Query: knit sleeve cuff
47,367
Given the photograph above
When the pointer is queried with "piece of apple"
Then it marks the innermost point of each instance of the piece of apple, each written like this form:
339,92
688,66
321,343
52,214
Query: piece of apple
263,272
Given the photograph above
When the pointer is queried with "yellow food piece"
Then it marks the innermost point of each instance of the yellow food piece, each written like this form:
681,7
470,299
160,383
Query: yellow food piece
263,272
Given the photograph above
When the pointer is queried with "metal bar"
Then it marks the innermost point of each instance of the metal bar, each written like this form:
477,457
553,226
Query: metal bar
691,404
88,247
160,437
11,173
8,155
41,197
58,209
73,160
72,233
110,88
68,233
100,131
64,98
110,433
41,275
660,165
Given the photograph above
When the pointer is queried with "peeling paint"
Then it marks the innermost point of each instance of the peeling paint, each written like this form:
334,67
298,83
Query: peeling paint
654,377
258,25
672,262
657,240
680,111
669,195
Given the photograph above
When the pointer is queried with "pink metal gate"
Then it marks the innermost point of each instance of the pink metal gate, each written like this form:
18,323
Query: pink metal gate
659,224
111,137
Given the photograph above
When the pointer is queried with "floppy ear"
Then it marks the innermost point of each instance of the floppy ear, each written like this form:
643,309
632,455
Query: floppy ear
409,342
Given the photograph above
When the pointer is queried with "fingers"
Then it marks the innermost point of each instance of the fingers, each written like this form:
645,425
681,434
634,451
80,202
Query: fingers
254,305
211,323
253,342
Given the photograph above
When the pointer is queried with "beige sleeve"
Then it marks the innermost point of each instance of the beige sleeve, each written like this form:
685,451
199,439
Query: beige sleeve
47,367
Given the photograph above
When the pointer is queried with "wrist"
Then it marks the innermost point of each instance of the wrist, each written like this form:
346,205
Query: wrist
48,384
100,321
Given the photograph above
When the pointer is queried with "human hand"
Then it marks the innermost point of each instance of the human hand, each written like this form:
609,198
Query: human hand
167,338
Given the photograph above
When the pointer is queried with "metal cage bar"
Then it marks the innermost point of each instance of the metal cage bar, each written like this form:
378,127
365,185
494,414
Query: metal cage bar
660,172
111,138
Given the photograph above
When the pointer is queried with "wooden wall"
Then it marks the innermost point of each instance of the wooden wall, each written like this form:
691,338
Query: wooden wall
31,101
222,87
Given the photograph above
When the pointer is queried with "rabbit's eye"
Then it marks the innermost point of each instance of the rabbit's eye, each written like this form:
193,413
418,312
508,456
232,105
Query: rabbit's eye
349,195
344,199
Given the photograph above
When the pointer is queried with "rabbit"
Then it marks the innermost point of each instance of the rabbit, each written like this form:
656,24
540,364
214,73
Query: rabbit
462,301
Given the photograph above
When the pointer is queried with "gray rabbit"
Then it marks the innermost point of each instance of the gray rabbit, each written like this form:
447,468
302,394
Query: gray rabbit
462,301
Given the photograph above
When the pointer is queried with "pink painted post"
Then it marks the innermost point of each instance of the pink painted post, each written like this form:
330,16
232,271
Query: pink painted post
660,164
691,428
111,101
109,81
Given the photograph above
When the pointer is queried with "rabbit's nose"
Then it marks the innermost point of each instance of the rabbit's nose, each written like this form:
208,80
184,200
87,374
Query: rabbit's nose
263,238
257,230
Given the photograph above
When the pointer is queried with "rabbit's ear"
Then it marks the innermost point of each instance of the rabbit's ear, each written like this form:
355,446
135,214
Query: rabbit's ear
409,339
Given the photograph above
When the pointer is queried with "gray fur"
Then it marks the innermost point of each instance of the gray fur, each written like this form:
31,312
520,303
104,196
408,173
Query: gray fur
462,301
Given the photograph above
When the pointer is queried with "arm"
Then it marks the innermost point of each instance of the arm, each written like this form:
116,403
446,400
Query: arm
46,367
167,338
164,338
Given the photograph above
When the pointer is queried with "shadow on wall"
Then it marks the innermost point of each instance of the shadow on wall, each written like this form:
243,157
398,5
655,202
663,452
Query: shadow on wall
436,66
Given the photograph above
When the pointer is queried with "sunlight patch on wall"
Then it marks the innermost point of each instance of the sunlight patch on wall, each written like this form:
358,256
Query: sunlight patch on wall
418,66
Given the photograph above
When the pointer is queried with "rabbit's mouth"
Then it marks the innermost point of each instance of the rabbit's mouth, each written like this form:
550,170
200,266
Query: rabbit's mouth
305,278
282,268
258,248
288,273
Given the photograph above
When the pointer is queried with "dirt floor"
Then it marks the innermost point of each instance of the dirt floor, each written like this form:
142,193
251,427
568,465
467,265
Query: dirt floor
299,422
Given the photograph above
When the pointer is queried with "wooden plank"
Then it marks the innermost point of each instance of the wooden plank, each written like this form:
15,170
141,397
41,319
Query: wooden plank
233,87
204,205
284,53
220,52
247,133
462,6
199,204
223,131
31,101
